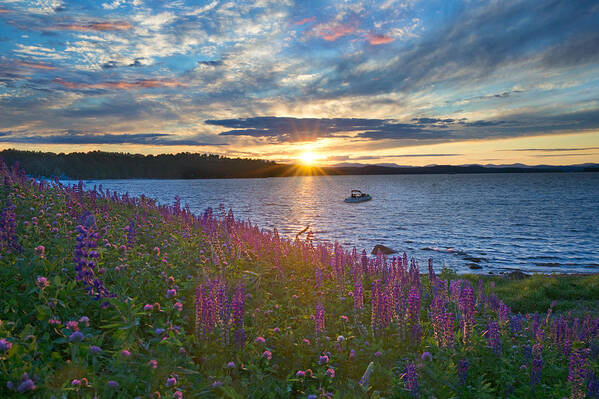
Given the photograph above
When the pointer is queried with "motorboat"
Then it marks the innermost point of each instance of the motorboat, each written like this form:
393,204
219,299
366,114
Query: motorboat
358,196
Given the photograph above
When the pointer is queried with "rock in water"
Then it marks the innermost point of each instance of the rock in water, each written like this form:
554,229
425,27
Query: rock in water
474,266
384,250
516,275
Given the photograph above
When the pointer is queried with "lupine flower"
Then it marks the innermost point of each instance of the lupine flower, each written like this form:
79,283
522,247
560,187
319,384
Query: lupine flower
306,341
171,382
352,354
231,365
217,384
153,363
466,306
300,373
267,355
148,307
330,372
462,371
323,359
577,373
112,384
85,255
76,337
378,354
95,349
76,382
171,293
340,338
493,337
410,378
125,353
26,384
84,320
276,329
178,395
8,230
54,322
427,356
345,318
260,340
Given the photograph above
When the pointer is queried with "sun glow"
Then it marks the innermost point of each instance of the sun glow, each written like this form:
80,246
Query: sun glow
308,158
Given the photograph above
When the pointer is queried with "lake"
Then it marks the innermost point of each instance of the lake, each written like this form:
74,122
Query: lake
534,222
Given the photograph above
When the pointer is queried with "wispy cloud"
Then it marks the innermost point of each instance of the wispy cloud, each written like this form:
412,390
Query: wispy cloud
305,21
122,85
101,26
376,39
158,139
552,149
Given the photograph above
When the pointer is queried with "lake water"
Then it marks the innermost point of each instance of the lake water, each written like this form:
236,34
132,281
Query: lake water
534,222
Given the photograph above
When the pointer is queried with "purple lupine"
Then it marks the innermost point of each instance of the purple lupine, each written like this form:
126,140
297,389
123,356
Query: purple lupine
463,371
536,365
26,385
238,306
577,373
414,313
493,337
8,230
375,303
85,255
410,378
131,234
319,319
431,272
358,294
466,306
5,345
503,312
448,332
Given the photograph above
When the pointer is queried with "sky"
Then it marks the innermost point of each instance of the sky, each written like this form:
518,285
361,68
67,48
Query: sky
401,82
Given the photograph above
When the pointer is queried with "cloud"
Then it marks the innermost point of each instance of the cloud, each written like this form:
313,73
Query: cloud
122,85
470,48
552,149
333,30
561,155
287,129
35,65
305,21
158,139
213,63
376,39
101,26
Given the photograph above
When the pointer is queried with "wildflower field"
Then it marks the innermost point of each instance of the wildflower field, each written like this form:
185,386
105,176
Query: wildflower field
104,295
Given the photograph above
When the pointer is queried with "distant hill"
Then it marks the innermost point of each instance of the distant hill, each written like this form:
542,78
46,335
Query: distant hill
113,165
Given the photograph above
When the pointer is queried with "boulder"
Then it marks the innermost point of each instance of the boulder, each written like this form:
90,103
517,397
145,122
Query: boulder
516,275
475,266
383,249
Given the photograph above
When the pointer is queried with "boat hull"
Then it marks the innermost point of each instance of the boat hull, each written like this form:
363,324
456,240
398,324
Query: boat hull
351,200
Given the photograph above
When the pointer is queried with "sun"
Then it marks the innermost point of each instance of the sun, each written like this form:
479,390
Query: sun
308,158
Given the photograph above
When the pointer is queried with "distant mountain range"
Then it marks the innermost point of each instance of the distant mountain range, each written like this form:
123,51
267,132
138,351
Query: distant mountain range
585,167
112,165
